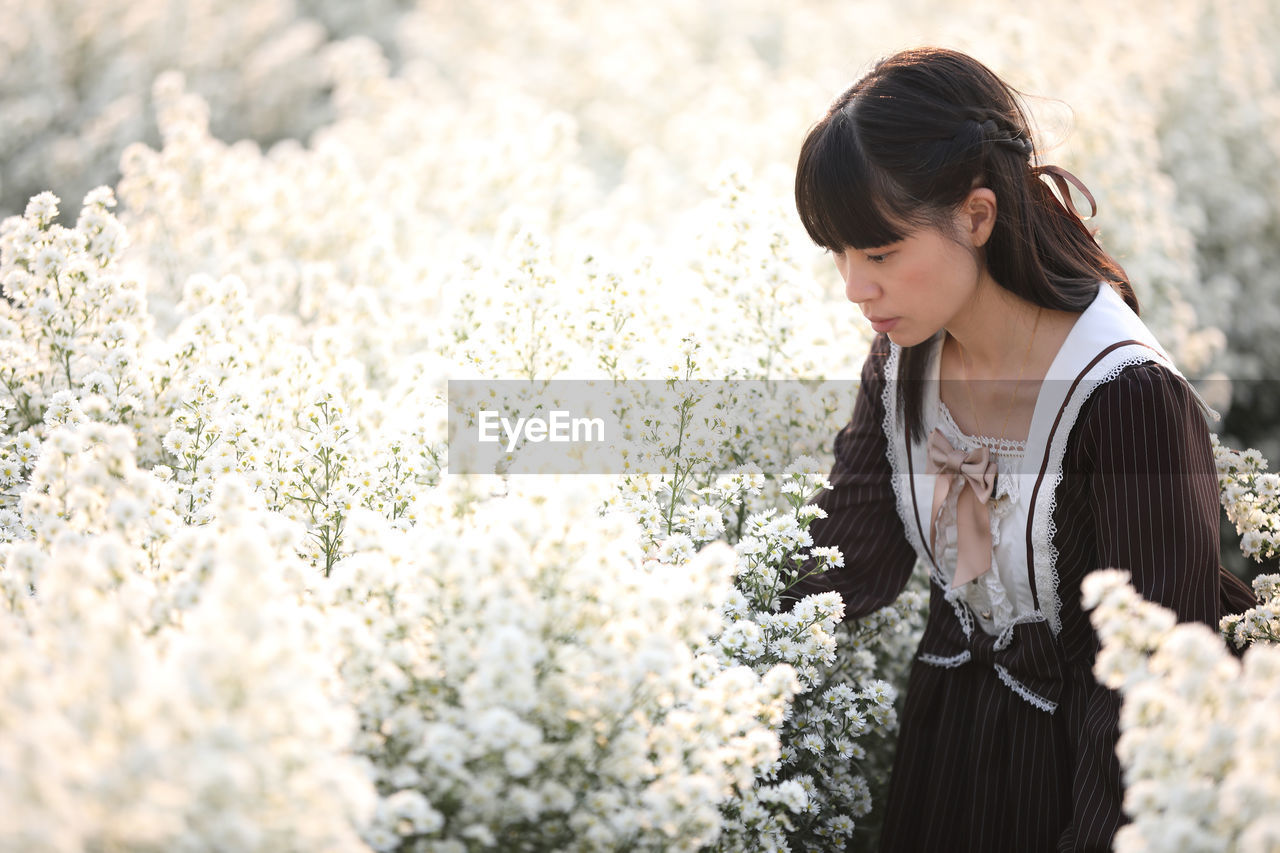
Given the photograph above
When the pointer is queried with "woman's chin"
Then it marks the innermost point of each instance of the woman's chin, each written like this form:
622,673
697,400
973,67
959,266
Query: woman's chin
906,335
903,337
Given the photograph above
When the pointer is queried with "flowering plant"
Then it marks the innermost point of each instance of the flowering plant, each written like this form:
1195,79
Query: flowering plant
837,733
1198,741
164,686
839,729
1250,494
518,686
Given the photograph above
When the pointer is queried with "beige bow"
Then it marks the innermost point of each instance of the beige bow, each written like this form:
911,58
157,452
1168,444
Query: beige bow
977,469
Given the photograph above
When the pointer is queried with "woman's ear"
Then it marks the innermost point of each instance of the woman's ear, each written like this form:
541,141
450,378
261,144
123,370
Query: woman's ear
978,215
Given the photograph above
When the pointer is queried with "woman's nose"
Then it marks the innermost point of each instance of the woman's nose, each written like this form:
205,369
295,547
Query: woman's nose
858,288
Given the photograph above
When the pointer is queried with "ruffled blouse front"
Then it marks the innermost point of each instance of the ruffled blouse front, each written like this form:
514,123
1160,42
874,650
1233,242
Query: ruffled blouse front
998,597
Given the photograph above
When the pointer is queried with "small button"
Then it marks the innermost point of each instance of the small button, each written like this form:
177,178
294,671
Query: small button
986,614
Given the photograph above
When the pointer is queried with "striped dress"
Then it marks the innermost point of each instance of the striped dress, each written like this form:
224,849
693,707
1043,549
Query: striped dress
1007,742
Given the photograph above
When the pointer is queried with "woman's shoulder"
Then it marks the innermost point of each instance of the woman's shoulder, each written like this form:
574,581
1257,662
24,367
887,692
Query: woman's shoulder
1142,385
1144,401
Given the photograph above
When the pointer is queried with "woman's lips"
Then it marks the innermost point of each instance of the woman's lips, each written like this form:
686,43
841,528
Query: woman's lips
884,325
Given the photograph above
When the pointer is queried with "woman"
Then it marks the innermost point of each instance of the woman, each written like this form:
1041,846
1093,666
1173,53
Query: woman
1017,427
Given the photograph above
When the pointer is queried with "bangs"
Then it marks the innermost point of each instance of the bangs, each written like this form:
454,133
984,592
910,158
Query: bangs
843,201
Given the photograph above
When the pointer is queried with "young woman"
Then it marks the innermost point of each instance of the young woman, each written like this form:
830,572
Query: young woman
1017,427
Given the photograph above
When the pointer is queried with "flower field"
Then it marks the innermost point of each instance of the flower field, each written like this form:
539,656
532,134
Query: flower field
246,606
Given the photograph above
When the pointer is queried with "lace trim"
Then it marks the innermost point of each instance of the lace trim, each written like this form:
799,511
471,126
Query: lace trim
1000,446
1044,528
895,445
1023,691
1006,636
955,597
948,662
985,594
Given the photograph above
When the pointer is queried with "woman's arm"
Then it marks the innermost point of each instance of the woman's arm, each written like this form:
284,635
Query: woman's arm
862,517
1144,450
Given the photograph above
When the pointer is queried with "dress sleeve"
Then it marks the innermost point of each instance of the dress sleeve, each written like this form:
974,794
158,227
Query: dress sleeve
1145,454
862,516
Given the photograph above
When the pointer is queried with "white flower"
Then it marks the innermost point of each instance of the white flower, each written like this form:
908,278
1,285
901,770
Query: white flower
828,557
707,524
676,548
42,208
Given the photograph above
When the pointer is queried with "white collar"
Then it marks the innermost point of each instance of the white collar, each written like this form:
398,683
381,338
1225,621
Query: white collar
1106,338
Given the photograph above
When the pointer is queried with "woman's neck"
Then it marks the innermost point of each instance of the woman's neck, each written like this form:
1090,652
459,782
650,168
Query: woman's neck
995,331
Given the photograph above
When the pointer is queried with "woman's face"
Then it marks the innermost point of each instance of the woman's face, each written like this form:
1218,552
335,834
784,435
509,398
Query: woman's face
912,288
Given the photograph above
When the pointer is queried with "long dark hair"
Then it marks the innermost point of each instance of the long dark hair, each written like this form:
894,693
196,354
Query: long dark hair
903,147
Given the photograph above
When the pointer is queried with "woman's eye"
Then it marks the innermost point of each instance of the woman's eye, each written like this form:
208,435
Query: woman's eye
877,259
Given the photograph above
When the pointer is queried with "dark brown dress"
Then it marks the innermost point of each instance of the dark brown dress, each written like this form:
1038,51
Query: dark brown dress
978,768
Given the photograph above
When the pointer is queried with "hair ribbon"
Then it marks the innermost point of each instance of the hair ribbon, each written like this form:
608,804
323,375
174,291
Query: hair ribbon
1060,177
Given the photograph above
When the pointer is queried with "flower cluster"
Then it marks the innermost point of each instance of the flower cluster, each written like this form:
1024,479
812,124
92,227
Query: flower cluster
164,687
1198,740
243,415
836,737
1250,494
1260,623
515,681
70,323
73,77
